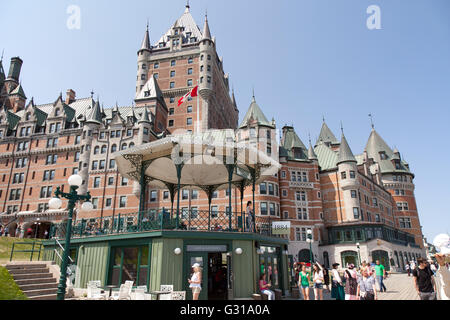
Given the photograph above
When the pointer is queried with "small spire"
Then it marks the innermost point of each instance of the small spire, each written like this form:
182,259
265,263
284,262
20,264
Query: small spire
206,31
187,6
323,118
253,95
92,94
3,52
371,121
342,128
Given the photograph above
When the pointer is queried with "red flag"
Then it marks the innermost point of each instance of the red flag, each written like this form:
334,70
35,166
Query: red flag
192,93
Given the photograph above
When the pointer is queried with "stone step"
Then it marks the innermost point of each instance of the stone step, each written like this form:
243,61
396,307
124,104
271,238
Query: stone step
39,286
25,266
39,292
28,271
44,297
35,281
32,276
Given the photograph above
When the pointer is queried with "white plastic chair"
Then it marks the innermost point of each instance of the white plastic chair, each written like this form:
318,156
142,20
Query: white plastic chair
124,293
166,288
178,295
96,283
138,294
95,293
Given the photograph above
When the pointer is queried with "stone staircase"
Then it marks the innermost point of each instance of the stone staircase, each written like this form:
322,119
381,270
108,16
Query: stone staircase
35,280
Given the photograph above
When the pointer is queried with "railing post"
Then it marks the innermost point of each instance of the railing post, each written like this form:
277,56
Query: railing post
32,251
118,223
12,252
40,248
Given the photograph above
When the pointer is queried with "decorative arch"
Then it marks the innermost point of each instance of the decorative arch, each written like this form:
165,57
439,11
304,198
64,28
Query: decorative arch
304,255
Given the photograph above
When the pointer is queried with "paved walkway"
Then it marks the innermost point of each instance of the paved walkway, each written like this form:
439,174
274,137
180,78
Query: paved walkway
399,287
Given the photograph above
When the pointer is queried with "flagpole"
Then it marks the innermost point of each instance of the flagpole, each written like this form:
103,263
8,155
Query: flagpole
198,109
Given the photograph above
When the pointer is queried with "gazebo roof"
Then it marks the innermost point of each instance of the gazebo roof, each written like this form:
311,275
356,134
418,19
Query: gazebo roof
204,158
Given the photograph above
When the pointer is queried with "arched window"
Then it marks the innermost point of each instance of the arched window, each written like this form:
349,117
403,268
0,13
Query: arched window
57,112
103,149
131,145
113,148
96,150
123,147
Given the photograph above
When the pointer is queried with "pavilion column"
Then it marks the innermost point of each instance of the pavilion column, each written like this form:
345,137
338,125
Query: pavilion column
242,189
209,192
230,168
179,168
253,172
143,185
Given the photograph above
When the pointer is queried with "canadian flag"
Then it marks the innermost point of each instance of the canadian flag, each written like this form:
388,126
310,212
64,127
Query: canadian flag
192,93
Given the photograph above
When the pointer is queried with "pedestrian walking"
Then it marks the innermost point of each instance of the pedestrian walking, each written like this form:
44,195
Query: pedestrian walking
17,233
264,287
318,279
196,281
1,231
413,266
46,234
432,267
380,273
303,282
443,277
250,217
424,281
366,289
326,278
6,231
351,283
337,290
408,269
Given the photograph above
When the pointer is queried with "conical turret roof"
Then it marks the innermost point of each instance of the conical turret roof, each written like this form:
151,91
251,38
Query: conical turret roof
311,153
345,153
255,113
206,31
146,42
375,145
145,117
95,116
326,135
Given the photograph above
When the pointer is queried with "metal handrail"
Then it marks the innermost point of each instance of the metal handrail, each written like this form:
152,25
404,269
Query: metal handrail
32,251
60,245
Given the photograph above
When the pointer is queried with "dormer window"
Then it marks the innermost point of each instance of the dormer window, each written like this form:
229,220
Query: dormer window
252,133
161,44
176,32
188,34
147,93
57,112
28,116
383,155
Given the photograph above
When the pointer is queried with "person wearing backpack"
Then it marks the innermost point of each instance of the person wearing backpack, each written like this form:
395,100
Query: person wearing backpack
424,281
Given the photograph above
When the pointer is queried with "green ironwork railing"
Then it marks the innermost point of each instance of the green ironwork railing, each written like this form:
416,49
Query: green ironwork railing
32,251
154,220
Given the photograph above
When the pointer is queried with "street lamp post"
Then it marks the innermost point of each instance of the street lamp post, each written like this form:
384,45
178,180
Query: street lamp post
37,223
75,182
310,241
359,255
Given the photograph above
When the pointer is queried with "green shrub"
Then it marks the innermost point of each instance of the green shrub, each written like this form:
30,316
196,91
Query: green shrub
9,290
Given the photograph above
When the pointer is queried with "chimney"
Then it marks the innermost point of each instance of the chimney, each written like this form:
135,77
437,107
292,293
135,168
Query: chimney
70,96
14,68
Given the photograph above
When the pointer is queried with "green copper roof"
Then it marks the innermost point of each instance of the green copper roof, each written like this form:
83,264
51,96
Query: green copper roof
70,112
19,91
95,115
290,142
345,153
311,154
327,157
255,113
376,146
326,136
145,116
13,120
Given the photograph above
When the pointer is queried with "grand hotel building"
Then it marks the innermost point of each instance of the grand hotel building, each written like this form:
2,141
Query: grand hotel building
345,198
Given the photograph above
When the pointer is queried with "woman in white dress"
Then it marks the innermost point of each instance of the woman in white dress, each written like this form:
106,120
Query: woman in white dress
196,281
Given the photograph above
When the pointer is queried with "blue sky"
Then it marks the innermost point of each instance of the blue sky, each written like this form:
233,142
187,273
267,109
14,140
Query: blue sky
305,58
